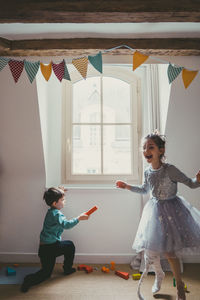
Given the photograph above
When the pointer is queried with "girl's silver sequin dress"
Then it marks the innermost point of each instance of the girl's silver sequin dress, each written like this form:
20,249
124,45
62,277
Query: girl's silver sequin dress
168,223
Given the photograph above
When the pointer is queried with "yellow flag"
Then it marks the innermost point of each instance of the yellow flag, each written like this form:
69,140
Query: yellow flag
188,76
81,64
138,59
46,70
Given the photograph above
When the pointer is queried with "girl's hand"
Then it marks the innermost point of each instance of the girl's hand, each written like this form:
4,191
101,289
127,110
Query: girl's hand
198,176
121,184
82,217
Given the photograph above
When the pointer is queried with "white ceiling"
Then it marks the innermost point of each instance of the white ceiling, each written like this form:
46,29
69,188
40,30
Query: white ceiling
16,31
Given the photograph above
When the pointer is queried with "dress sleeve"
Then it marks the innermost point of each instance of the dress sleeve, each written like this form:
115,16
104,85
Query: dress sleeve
66,224
177,176
141,189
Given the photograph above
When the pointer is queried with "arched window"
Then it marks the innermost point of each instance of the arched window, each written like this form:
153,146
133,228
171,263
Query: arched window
100,127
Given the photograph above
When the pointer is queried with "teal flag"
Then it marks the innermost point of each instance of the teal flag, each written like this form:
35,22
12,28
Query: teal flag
31,69
173,72
3,62
96,61
66,73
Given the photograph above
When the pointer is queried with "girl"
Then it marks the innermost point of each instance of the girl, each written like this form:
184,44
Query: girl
169,225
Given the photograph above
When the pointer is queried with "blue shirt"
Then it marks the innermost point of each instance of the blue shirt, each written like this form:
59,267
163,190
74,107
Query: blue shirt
54,224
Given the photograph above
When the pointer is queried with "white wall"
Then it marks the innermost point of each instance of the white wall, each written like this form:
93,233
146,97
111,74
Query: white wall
109,233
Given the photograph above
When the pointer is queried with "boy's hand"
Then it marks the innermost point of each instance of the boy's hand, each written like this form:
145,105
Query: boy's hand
121,184
198,176
82,217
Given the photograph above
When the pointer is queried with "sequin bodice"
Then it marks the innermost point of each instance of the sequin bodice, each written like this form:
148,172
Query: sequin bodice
162,183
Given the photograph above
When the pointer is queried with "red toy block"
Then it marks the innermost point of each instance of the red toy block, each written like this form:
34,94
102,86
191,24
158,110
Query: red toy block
124,275
90,211
85,268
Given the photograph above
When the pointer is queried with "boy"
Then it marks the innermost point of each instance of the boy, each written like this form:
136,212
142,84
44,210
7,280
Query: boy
51,245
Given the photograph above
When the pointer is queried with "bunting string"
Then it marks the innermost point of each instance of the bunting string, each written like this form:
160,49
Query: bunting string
81,65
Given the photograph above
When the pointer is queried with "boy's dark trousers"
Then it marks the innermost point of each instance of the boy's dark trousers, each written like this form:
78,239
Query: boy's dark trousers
48,254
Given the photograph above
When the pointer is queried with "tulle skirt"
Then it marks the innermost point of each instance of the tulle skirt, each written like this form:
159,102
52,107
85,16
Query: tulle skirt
169,226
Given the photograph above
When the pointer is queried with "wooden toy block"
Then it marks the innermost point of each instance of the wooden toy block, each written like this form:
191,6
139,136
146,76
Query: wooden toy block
174,282
81,267
85,268
105,270
90,211
124,275
112,265
185,288
136,276
10,271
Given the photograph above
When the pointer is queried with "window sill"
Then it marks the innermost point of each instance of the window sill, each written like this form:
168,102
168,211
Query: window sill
90,187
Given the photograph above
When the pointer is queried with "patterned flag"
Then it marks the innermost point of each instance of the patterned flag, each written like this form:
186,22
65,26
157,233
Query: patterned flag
173,72
96,61
3,62
138,59
188,76
46,70
59,70
16,68
31,69
66,74
81,65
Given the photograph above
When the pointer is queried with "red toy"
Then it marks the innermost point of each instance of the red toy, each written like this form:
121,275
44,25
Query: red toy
124,275
87,269
120,184
90,211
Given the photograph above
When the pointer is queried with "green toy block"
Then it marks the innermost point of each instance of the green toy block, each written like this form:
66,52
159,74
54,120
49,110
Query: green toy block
174,282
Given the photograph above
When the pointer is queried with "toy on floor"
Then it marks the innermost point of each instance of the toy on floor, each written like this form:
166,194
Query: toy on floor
105,270
85,268
136,276
112,265
124,275
174,282
90,211
10,271
16,265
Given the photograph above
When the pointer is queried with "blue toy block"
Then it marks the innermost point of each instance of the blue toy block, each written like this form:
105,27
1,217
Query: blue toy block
10,271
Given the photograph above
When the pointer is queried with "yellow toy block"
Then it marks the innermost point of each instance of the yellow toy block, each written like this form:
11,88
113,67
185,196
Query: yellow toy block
136,276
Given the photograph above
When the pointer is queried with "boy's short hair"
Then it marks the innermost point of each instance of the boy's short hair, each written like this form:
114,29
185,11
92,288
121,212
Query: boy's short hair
53,194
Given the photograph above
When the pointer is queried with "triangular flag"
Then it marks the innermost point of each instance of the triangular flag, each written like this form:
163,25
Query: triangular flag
59,70
46,70
3,62
66,73
16,68
81,65
188,76
96,61
138,59
31,69
173,72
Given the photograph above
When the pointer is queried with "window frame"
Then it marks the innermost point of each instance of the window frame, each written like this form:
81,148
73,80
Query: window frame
118,72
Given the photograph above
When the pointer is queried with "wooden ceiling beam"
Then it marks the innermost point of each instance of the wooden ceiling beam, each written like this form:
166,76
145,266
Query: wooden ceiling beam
86,46
96,11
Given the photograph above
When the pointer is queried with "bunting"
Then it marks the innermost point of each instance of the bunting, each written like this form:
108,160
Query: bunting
31,69
173,72
188,76
3,62
46,70
59,70
96,61
81,64
16,68
138,59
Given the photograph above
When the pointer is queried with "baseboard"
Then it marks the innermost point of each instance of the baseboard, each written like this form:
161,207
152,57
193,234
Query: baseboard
96,258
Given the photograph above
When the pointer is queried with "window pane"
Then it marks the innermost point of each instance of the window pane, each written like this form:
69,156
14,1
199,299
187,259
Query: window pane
86,101
116,101
86,150
117,149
